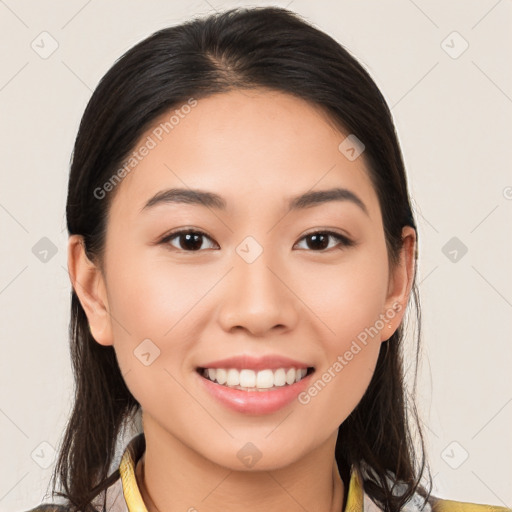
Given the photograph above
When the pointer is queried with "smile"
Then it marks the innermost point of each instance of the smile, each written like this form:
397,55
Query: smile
251,380
268,392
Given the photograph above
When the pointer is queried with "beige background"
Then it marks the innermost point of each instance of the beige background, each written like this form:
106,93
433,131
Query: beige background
453,117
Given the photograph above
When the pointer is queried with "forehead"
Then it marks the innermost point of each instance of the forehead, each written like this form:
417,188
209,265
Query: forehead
253,147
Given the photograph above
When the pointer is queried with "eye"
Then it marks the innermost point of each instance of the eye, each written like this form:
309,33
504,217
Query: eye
189,240
319,240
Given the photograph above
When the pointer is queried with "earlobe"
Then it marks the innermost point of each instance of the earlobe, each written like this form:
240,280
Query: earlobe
401,281
88,282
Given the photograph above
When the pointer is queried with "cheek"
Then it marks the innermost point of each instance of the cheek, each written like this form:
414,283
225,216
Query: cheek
349,298
349,303
350,357
154,329
154,320
338,388
151,297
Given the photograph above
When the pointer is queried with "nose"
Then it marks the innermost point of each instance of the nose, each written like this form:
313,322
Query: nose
257,298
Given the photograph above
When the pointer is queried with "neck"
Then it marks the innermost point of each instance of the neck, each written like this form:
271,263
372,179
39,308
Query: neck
196,483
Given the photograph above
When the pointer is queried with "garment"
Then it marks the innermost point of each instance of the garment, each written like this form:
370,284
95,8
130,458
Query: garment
124,495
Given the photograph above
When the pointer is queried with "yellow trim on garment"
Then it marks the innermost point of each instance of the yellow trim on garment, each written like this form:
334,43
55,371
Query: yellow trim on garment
355,495
131,491
135,502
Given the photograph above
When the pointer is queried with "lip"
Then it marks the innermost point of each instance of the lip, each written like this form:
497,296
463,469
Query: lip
255,402
269,361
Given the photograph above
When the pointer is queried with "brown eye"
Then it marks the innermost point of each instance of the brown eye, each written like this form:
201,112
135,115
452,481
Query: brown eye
187,240
193,240
320,240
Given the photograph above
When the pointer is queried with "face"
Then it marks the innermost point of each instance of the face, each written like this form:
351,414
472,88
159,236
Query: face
256,275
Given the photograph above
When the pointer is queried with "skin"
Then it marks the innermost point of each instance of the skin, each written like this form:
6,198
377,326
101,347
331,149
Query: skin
255,148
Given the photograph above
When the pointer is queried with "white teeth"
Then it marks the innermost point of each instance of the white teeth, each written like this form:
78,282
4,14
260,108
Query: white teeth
280,377
248,378
220,375
265,379
252,380
233,378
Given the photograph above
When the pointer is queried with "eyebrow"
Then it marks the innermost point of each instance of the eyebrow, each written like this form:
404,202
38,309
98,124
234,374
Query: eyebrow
212,200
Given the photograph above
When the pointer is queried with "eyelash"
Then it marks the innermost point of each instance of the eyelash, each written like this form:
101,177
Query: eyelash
342,240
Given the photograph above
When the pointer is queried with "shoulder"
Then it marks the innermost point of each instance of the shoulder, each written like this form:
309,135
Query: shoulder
49,507
110,499
442,505
434,504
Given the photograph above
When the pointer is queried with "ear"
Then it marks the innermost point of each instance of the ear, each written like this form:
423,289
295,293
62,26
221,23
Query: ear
400,283
88,282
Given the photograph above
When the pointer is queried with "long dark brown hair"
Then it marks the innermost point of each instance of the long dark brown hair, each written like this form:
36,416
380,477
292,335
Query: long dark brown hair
270,48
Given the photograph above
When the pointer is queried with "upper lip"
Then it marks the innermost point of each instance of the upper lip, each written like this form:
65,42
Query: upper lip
270,361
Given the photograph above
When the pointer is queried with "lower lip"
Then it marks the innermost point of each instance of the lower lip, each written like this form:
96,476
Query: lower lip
255,402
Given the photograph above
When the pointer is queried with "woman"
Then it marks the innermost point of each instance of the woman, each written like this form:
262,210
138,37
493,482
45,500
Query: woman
242,252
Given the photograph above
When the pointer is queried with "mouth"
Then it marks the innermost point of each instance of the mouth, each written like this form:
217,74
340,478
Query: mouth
250,380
